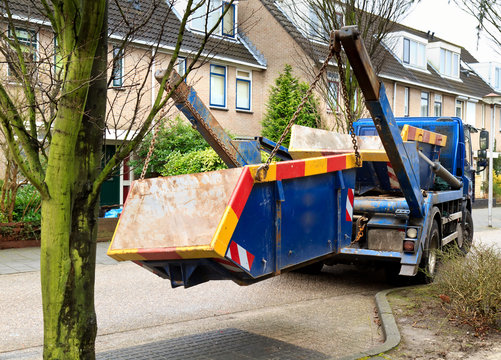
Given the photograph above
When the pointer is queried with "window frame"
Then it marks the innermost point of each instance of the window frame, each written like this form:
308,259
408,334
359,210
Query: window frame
459,105
411,54
118,58
234,22
181,61
449,59
437,101
497,77
248,80
211,9
31,43
407,93
225,80
427,99
332,78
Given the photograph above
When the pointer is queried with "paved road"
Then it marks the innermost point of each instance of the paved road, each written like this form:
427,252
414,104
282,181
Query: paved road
291,316
302,312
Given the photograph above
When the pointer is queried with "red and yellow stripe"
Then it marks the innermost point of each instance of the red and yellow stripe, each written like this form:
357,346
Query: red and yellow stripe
411,133
228,223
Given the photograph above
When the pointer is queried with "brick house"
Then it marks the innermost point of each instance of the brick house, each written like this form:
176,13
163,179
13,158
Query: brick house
226,77
423,75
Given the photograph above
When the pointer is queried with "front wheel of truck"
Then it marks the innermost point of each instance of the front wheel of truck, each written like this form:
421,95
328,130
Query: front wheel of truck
467,227
429,261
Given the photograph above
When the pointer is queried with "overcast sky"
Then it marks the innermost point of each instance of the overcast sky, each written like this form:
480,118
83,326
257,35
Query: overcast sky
452,24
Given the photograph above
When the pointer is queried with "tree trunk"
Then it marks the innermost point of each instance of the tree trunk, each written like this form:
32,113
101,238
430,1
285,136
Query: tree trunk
69,225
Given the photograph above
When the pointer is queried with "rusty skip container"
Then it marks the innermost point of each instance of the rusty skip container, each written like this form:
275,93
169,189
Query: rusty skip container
228,225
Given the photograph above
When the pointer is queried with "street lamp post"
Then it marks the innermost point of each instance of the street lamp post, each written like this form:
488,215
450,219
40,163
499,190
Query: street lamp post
491,99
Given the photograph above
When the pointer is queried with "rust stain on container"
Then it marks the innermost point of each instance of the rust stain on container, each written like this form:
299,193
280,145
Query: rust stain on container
174,211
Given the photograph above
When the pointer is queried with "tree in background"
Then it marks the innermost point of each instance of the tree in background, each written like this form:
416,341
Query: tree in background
488,15
317,18
285,97
54,122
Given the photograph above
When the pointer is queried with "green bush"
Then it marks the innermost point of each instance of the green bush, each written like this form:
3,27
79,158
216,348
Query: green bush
285,97
27,207
174,136
192,162
496,186
471,287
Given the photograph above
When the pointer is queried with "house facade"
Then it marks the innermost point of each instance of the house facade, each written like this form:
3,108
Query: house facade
423,74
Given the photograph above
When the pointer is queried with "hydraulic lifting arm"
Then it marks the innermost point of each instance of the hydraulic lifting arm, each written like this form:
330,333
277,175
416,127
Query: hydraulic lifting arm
234,153
386,126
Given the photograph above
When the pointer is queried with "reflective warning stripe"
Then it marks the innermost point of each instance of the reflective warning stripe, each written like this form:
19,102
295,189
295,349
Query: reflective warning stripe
349,205
239,255
394,184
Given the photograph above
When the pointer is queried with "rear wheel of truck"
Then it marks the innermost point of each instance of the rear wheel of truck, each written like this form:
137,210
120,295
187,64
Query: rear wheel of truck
467,227
429,261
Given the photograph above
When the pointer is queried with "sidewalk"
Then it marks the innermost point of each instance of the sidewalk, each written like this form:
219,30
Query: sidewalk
14,261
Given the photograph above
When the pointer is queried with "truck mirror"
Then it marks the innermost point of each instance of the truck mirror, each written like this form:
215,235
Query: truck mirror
484,140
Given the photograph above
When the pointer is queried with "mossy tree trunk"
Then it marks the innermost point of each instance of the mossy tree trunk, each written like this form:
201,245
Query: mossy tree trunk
70,182
69,210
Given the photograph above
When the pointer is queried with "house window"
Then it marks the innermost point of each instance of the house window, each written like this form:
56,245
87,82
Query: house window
181,66
459,108
244,86
438,105
229,20
425,100
207,15
449,63
217,86
332,91
58,60
28,42
406,101
497,78
414,53
118,62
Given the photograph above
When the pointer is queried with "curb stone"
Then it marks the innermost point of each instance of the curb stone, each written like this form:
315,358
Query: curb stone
389,325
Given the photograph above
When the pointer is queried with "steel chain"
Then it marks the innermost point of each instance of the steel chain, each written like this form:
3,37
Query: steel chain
150,150
349,115
264,168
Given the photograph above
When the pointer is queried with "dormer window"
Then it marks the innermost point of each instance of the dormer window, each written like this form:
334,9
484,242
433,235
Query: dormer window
414,53
229,20
449,63
207,15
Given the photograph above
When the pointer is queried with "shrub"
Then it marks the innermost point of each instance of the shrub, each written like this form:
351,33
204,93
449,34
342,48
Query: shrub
192,162
174,136
26,206
496,186
285,97
471,286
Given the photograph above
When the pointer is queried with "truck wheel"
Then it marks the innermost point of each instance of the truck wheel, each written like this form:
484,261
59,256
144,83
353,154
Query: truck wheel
429,261
467,225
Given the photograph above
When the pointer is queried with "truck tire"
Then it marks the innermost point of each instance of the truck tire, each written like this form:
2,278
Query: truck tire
429,261
467,225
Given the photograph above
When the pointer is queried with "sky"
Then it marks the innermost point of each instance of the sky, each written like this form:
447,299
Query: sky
452,24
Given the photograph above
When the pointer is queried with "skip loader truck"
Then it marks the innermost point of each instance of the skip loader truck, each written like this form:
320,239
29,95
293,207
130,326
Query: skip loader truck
391,192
